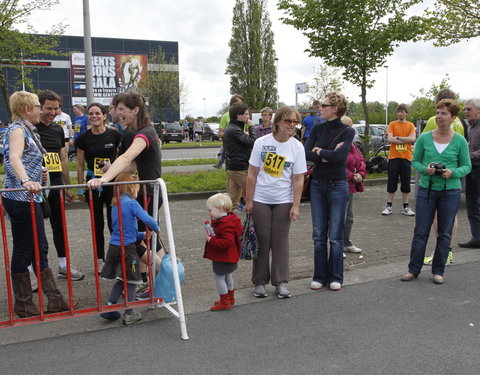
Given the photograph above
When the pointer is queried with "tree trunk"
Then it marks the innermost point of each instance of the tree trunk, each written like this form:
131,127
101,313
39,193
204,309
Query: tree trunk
366,140
4,90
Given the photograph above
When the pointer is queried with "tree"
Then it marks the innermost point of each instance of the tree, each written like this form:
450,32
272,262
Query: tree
251,62
356,35
161,86
16,46
450,21
327,79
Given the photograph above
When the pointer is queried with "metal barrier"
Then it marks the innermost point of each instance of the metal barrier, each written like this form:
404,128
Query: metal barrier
178,313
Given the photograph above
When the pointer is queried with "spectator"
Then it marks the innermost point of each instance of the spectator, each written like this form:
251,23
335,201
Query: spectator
80,121
274,188
266,126
198,128
328,146
311,120
23,169
401,135
65,122
237,148
441,157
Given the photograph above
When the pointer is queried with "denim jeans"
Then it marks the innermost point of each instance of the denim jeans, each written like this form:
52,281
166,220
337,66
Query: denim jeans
472,191
328,202
446,204
348,222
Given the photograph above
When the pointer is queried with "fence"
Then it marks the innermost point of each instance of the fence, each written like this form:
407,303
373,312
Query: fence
179,314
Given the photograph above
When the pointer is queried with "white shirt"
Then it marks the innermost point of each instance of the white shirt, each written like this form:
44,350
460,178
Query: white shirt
64,120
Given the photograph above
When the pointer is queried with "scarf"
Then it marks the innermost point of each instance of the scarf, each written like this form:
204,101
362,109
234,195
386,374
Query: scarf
33,132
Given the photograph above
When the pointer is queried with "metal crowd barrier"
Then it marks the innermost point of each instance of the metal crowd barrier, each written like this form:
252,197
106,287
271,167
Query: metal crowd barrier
178,313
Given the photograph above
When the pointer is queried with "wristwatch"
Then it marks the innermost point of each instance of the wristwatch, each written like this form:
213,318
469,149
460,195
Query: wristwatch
25,180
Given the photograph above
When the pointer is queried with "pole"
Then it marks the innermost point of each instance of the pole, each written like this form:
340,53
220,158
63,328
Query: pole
386,97
278,96
87,43
204,109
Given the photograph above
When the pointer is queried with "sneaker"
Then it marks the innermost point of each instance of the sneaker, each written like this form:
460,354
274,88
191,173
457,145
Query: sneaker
449,258
100,263
407,211
216,166
143,296
131,318
142,287
335,285
428,260
387,210
352,249
241,206
315,285
344,256
282,291
76,275
110,315
260,291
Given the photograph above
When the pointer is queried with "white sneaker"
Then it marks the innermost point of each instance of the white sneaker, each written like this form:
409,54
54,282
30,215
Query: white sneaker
282,292
100,263
335,285
387,210
352,249
315,285
407,211
260,291
344,256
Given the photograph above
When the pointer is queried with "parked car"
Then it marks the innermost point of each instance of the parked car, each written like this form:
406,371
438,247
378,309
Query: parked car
378,136
210,132
172,132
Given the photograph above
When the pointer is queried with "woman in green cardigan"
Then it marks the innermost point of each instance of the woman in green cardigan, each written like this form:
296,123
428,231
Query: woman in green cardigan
442,158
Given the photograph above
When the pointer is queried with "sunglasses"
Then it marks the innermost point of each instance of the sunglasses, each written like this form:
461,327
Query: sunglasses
290,122
326,105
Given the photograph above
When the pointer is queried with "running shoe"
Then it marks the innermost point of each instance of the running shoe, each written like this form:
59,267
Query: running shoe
387,210
407,211
76,275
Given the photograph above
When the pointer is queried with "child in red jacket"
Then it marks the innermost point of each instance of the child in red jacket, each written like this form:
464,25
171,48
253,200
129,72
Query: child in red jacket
223,247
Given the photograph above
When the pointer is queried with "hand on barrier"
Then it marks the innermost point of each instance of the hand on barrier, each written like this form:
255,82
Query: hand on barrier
95,183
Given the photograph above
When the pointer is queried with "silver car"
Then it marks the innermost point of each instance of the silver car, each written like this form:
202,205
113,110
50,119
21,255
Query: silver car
378,136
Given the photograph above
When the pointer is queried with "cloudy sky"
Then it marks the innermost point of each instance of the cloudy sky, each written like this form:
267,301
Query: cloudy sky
203,29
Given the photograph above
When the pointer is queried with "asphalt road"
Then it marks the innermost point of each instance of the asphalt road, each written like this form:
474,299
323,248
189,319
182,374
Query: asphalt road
189,153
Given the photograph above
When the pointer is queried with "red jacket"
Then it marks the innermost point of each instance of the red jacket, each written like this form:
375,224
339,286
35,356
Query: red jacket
225,245
355,164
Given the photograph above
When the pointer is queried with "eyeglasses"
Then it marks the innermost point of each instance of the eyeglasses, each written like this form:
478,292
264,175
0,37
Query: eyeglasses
467,108
287,121
326,105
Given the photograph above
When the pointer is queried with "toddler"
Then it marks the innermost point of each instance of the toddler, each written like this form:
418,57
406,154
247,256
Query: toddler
223,247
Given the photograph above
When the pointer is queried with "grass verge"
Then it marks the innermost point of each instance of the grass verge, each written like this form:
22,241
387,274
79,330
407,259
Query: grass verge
196,181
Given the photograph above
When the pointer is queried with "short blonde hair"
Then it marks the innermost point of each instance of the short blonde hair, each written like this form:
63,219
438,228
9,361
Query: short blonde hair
346,120
18,101
267,110
130,189
220,201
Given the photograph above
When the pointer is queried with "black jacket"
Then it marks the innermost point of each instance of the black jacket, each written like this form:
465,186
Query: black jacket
238,145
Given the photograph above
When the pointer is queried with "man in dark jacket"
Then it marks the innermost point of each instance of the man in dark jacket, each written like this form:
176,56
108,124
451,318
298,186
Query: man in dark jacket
238,146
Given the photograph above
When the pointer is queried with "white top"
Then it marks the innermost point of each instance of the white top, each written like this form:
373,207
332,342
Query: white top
278,162
64,120
440,146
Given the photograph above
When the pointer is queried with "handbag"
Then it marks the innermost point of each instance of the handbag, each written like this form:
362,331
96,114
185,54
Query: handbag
249,240
164,284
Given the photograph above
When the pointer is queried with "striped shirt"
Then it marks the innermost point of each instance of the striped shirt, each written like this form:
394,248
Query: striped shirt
32,162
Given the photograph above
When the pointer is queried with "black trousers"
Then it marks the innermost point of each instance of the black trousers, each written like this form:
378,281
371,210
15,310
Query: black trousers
100,199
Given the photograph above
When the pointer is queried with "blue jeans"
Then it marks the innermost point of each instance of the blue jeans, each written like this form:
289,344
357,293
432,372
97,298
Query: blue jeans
446,204
329,202
221,157
472,191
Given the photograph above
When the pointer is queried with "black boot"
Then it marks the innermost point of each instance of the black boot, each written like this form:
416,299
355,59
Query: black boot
22,289
56,303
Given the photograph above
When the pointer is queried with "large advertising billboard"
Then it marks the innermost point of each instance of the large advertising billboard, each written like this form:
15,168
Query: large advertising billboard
112,74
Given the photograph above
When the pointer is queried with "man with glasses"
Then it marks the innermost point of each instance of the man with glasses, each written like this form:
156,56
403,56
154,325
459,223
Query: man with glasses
472,189
52,138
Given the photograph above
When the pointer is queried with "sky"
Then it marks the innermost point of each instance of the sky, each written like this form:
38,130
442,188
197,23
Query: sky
202,29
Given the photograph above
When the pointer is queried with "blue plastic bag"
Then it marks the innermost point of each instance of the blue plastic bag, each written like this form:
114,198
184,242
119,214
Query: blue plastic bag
164,285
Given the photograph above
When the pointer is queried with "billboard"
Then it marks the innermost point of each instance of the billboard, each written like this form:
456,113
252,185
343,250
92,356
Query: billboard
112,74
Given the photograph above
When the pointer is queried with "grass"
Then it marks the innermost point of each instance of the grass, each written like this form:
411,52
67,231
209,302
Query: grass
196,181
197,161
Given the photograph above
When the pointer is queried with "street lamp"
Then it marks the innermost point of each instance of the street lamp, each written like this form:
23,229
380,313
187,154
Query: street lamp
276,62
205,109
386,97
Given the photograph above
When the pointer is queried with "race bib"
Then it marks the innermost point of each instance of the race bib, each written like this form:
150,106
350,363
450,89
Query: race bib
401,148
274,164
52,162
77,127
96,169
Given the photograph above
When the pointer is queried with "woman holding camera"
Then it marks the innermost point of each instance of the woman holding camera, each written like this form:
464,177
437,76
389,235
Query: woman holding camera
98,147
442,158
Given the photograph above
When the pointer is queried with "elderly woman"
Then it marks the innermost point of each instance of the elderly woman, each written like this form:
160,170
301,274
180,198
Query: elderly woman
274,188
328,146
266,126
442,158
23,169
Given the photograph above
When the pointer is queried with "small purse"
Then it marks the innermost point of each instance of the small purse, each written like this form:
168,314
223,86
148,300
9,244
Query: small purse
249,240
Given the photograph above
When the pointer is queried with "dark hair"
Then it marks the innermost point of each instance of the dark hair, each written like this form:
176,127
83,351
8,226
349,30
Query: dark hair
451,106
45,95
445,94
101,106
237,109
236,98
132,100
402,107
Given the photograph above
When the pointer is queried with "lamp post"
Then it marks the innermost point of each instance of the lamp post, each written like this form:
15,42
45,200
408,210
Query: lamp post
87,42
276,63
386,96
204,109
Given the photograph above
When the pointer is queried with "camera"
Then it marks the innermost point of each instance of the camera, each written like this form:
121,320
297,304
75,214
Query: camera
102,164
439,167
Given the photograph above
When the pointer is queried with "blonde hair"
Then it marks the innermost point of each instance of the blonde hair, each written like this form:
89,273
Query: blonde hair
339,101
18,100
130,189
346,120
220,201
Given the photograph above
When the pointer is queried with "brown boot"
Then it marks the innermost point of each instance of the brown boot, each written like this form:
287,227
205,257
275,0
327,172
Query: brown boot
22,289
56,303
224,303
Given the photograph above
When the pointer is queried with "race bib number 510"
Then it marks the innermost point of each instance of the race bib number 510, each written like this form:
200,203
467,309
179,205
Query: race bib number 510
274,164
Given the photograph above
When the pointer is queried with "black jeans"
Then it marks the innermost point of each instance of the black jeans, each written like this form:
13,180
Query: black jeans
101,198
22,232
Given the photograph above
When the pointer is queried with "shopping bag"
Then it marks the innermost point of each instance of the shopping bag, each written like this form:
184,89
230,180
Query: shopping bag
249,240
164,285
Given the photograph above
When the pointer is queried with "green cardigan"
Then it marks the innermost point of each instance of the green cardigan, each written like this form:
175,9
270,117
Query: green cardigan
455,157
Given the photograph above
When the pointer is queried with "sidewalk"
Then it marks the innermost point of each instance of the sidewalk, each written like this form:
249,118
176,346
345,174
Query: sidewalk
385,240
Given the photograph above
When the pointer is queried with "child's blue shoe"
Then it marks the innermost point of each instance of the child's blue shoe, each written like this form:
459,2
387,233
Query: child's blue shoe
110,315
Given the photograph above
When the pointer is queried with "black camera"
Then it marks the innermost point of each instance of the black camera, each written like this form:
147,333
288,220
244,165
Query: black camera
102,164
439,167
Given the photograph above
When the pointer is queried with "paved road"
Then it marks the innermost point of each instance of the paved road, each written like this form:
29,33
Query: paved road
189,153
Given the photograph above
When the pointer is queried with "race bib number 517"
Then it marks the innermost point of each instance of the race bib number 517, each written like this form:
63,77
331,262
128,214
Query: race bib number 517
274,164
